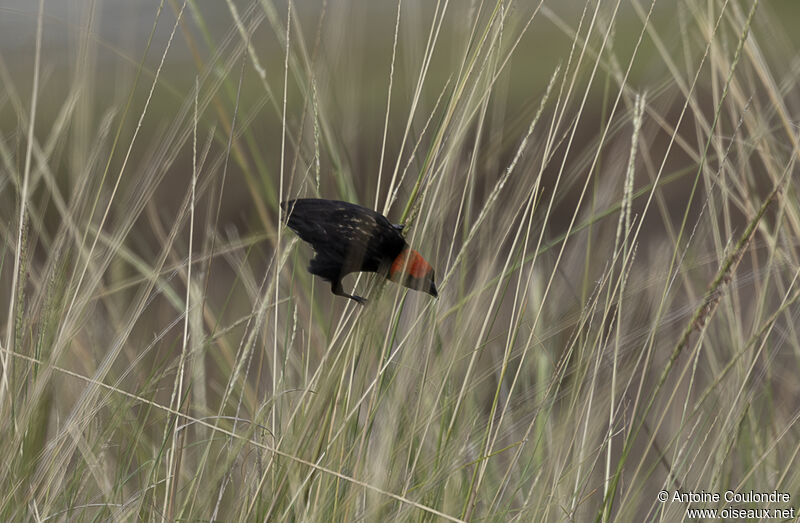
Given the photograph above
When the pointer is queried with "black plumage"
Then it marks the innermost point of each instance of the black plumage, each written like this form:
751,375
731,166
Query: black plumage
346,238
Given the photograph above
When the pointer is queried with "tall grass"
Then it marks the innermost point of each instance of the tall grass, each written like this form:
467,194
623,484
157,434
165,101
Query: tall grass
607,191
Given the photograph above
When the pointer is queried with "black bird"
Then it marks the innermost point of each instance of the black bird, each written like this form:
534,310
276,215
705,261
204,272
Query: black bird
350,238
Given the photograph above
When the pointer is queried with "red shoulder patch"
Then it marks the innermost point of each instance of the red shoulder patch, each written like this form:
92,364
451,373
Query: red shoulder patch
410,262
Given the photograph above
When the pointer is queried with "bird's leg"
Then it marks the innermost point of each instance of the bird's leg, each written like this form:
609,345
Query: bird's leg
336,288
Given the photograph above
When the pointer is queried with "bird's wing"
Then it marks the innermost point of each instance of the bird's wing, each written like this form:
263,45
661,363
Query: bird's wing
329,223
343,234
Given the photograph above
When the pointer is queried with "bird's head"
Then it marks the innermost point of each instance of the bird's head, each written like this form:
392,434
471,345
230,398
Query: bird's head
411,269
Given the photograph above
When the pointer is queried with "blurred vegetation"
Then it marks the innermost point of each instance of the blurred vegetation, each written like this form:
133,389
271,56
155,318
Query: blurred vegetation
607,191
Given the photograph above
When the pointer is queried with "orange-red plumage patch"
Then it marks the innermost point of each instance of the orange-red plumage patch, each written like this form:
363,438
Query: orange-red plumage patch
410,262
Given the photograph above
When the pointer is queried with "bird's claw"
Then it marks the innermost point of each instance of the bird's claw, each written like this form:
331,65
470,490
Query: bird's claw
358,299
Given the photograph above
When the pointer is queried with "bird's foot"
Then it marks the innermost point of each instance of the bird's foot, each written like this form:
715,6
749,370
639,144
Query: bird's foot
336,287
358,299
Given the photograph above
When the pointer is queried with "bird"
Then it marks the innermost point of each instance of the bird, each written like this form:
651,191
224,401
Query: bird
350,238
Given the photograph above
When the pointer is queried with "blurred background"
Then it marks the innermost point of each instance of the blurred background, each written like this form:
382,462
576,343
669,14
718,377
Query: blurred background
617,311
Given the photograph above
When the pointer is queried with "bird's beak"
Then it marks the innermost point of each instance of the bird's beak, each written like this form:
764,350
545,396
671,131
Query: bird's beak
432,290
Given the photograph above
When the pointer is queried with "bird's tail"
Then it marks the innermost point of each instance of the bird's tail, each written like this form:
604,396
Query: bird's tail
302,216
292,214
